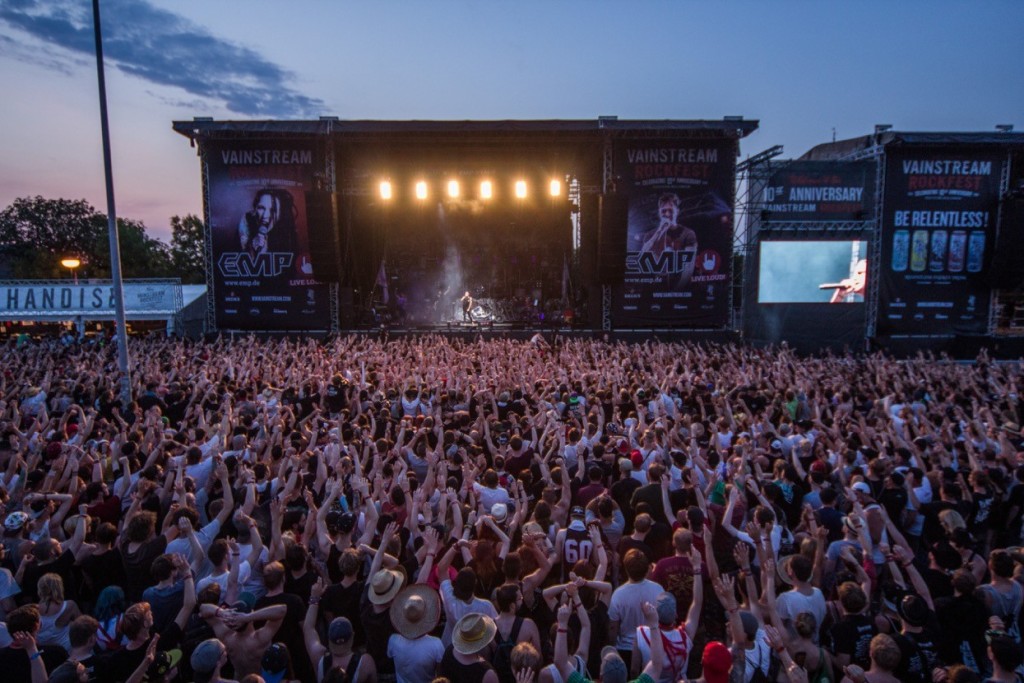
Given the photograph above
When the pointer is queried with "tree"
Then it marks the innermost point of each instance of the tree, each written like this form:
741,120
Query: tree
36,233
188,253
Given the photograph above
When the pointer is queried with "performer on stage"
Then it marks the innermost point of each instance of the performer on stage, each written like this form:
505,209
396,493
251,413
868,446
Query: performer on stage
467,307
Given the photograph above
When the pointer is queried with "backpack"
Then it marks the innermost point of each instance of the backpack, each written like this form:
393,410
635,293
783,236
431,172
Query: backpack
501,660
823,674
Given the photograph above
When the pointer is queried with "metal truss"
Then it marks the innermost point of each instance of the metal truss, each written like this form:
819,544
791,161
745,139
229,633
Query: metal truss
875,262
211,297
606,308
1004,187
819,228
332,299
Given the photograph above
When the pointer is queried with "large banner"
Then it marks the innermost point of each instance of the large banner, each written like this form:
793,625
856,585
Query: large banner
938,229
821,191
679,232
263,274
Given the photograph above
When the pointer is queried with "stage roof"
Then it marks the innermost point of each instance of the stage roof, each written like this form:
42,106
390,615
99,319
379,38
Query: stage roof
841,149
200,127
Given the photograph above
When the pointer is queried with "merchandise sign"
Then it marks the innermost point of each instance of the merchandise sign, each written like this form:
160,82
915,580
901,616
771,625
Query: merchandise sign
678,233
821,191
64,300
938,229
263,274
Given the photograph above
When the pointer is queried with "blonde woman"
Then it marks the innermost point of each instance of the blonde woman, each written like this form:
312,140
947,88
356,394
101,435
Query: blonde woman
55,613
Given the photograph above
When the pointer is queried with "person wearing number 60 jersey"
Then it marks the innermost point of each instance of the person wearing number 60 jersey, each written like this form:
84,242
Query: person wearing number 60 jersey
574,542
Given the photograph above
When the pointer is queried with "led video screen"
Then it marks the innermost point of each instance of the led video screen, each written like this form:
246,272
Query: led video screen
813,271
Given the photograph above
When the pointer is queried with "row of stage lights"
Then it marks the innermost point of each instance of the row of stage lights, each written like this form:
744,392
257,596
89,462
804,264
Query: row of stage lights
520,189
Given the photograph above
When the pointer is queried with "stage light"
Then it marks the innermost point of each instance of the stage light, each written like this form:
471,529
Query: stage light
556,188
385,190
421,190
521,189
486,190
453,189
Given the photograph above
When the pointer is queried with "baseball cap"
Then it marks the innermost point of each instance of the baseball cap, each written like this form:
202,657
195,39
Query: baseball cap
862,487
346,522
275,663
15,521
665,604
577,511
613,669
340,631
163,662
776,445
206,657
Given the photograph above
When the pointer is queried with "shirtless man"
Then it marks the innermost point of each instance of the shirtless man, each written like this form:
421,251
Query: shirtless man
245,643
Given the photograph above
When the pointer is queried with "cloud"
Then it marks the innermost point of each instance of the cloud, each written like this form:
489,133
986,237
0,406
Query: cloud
162,48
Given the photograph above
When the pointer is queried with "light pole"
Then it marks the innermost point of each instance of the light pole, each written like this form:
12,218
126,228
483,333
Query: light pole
115,247
72,264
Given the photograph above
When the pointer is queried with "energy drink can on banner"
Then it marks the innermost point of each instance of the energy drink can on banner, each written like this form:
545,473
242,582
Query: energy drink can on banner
957,250
937,253
900,250
919,251
975,251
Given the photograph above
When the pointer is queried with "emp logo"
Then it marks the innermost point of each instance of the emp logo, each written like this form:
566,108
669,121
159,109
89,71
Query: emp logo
243,264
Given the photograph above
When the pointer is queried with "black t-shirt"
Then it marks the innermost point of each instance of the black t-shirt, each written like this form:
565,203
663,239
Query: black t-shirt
335,398
138,563
343,601
123,663
62,566
919,655
379,630
300,586
894,501
290,631
103,569
852,636
15,665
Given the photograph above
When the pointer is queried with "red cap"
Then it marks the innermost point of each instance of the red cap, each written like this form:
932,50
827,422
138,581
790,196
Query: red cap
717,662
637,458
819,466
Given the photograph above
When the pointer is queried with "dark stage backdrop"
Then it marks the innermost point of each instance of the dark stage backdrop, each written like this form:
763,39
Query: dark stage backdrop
938,229
678,234
263,275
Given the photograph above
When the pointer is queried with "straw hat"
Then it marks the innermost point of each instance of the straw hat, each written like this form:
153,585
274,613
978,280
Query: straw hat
473,633
384,586
785,571
416,611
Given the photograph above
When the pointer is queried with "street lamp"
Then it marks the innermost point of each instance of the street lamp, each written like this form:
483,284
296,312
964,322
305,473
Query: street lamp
71,264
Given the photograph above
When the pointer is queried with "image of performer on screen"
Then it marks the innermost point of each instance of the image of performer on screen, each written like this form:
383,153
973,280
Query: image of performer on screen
269,224
669,235
849,290
467,307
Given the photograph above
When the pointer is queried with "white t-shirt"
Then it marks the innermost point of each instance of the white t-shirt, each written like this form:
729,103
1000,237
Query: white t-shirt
626,607
222,579
455,609
793,602
415,660
489,496
205,536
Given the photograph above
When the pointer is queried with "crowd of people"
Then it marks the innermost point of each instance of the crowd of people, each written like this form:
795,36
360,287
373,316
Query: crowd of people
497,511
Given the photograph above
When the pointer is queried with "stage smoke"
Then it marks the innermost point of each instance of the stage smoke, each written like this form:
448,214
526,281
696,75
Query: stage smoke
453,282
